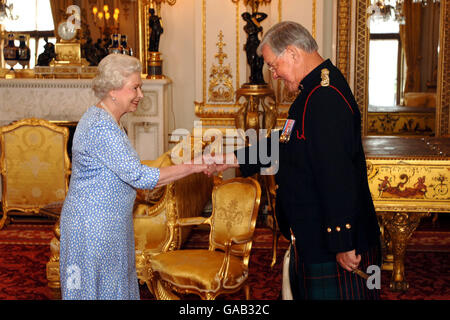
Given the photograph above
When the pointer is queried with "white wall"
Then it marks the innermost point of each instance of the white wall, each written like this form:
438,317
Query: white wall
178,48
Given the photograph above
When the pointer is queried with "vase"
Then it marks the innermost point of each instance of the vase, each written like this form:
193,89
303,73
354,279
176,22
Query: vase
10,52
114,48
23,53
124,44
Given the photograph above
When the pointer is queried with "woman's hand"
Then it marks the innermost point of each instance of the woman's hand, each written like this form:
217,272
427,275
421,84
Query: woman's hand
348,260
202,163
176,172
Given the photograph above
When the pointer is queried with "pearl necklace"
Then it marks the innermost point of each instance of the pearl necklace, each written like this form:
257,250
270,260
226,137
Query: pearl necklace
110,113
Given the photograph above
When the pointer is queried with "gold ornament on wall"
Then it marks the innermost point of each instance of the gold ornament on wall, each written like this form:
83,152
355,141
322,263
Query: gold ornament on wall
254,3
221,79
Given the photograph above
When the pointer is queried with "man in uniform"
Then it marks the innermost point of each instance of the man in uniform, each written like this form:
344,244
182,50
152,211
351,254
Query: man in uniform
324,204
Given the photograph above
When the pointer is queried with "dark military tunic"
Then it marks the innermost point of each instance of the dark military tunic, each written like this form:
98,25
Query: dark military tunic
323,195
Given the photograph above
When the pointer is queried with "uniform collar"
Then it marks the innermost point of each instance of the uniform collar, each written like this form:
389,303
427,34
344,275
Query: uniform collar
313,78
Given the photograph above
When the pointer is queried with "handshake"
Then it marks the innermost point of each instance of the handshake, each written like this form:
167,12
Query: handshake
210,164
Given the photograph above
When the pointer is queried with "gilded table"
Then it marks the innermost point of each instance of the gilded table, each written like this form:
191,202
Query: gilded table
408,179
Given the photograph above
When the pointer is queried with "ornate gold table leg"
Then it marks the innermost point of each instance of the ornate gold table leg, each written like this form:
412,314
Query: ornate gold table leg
400,226
386,247
52,268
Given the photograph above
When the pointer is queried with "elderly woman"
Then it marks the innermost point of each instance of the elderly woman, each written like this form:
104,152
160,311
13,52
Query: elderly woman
97,256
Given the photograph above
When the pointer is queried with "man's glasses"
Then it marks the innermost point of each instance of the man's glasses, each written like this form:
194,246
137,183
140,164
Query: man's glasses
271,66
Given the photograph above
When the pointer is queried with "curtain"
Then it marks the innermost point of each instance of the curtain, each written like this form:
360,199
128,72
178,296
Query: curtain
410,35
58,10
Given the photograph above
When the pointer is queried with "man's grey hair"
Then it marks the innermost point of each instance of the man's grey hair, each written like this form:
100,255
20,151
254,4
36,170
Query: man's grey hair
286,33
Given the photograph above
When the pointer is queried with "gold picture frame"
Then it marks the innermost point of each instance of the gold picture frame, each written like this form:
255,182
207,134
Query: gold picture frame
361,45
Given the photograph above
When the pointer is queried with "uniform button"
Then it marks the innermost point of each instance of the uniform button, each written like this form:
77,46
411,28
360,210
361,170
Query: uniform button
338,229
348,226
328,230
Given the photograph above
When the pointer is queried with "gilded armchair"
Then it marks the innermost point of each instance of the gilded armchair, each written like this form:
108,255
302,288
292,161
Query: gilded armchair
223,267
35,167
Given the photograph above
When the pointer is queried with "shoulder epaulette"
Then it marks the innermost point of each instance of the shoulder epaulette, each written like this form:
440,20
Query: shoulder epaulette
325,75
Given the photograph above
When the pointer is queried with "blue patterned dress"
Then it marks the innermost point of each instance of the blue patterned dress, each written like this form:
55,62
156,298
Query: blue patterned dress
97,254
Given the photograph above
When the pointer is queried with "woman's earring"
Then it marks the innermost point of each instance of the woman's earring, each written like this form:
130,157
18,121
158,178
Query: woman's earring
113,98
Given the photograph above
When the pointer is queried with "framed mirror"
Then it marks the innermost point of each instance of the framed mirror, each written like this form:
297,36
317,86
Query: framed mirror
353,58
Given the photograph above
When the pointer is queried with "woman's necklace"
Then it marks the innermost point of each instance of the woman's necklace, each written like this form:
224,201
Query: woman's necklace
110,113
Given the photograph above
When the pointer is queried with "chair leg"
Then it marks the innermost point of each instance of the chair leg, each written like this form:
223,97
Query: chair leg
210,296
434,221
162,293
274,246
247,292
3,222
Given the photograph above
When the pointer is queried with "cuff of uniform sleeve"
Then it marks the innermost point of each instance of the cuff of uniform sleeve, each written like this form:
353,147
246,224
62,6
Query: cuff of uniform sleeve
242,156
340,235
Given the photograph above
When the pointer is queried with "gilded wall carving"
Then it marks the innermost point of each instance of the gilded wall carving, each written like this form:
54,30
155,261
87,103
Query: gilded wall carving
344,22
221,77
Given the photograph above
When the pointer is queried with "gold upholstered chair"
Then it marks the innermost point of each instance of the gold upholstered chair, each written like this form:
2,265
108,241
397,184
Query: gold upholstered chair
223,267
35,167
155,210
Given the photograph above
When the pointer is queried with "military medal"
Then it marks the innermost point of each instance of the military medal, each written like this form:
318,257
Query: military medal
287,130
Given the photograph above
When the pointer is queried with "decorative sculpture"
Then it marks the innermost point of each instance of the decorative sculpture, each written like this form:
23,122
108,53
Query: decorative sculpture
259,109
154,23
151,10
48,55
253,29
23,52
10,53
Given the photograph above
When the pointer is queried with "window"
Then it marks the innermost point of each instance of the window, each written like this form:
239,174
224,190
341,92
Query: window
384,61
35,21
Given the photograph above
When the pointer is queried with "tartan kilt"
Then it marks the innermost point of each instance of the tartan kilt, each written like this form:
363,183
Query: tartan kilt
329,281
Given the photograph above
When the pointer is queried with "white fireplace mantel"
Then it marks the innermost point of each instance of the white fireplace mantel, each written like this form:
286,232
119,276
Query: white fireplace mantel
68,99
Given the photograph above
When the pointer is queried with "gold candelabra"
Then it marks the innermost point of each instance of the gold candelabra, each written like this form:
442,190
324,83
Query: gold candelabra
254,3
102,20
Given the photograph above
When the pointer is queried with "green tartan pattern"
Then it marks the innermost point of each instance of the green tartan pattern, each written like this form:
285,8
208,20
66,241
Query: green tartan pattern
329,281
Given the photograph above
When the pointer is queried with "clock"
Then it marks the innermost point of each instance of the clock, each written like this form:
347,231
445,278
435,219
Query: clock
66,32
68,48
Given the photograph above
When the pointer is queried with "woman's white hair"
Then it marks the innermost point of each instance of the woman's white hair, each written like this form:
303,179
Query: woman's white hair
112,71
286,33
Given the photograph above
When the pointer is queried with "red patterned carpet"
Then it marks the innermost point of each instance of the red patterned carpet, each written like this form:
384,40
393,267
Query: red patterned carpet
24,252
